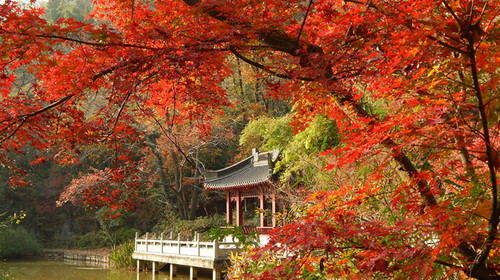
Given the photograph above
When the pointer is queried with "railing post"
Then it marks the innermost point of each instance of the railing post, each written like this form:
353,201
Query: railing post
216,248
178,244
135,241
171,235
147,236
198,243
161,242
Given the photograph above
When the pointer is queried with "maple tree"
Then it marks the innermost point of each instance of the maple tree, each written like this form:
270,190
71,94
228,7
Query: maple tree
412,86
173,161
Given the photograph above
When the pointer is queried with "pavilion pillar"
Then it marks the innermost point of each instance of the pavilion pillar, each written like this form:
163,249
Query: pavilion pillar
239,210
263,220
229,209
274,208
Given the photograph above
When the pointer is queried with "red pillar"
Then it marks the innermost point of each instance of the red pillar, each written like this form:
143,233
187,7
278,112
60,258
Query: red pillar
263,220
229,209
239,210
274,208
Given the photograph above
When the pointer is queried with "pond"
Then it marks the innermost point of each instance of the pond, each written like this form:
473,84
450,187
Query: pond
54,270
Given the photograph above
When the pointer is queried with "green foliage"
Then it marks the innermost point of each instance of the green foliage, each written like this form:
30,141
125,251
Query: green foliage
91,240
5,273
188,228
76,9
245,263
300,161
16,242
113,228
122,257
101,239
13,219
268,133
244,240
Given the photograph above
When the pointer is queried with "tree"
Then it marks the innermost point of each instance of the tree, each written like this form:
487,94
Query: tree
165,168
411,85
300,162
174,161
76,9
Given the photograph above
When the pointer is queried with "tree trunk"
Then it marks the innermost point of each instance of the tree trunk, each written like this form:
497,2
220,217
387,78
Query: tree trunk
195,192
181,199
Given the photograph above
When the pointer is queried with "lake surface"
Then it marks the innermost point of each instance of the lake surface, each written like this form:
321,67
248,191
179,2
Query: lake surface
52,270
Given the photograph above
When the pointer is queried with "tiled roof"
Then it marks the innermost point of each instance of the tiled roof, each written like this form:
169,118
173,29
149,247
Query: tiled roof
249,172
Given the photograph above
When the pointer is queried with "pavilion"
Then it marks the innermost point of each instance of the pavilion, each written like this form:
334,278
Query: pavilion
248,183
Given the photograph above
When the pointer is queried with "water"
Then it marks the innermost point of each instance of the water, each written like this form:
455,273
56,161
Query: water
52,270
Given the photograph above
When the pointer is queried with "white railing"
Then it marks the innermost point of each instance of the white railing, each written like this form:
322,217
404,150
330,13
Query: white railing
196,248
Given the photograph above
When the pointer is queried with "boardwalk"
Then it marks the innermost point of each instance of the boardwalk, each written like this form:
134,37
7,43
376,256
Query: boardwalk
194,254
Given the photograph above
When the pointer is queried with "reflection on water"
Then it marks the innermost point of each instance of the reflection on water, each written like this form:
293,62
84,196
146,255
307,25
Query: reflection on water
51,270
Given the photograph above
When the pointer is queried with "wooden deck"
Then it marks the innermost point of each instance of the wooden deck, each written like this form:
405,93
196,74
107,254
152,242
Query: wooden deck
194,254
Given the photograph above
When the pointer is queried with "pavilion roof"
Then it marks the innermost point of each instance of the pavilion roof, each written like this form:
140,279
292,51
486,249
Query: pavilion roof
252,171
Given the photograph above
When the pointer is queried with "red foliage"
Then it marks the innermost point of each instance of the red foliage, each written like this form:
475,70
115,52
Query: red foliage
411,84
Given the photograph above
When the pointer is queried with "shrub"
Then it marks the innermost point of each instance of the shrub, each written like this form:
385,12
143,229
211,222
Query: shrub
16,242
91,240
188,228
101,239
123,235
5,273
245,264
122,257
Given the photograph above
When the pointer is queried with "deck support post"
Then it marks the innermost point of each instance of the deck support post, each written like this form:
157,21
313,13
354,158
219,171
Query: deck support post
173,271
216,274
193,273
156,266
138,266
154,270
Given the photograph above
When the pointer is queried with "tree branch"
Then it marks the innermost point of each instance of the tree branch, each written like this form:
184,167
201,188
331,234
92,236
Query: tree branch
304,21
280,41
262,67
494,220
21,120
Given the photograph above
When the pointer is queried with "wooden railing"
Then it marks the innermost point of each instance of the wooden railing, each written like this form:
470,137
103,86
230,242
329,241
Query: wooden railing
178,247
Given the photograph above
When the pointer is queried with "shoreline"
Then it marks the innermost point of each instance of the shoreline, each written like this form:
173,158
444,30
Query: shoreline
93,256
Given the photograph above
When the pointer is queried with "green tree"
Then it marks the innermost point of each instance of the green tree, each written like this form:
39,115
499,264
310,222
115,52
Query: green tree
300,161
76,9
